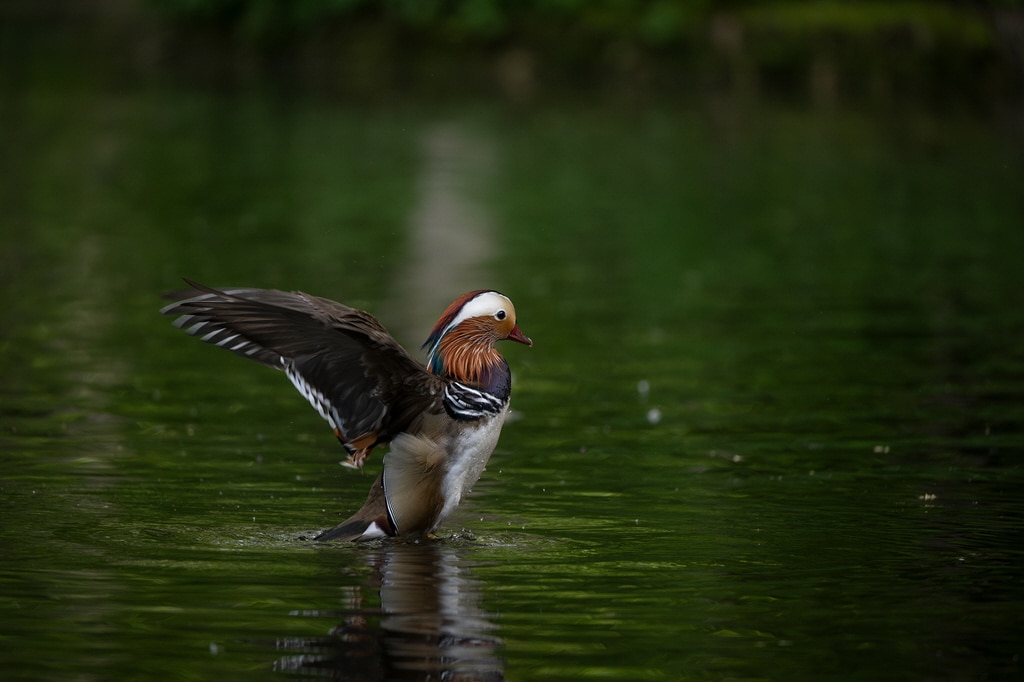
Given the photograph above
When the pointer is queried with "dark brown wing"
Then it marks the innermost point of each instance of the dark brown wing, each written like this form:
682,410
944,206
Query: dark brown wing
341,359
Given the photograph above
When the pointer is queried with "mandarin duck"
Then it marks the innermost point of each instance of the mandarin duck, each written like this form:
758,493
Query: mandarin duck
441,419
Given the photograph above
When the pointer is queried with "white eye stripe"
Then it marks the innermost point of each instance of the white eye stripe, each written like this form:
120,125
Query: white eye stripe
486,304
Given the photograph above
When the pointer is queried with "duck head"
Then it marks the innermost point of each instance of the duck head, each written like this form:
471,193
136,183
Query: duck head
462,342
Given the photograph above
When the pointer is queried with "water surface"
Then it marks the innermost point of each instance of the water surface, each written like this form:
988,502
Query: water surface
770,427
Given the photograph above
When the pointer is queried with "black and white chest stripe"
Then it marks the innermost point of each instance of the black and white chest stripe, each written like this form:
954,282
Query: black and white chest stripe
465,403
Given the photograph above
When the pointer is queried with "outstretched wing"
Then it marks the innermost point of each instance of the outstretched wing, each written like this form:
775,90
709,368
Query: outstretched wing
341,359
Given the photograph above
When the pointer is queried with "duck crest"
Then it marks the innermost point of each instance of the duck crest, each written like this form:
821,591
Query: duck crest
462,351
447,318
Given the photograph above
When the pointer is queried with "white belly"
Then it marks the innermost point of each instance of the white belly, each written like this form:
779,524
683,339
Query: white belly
470,449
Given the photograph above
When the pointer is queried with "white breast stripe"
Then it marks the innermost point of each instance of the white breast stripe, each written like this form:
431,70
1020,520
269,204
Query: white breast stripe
387,503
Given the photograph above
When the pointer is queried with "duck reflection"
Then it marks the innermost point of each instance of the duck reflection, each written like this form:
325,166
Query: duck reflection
429,625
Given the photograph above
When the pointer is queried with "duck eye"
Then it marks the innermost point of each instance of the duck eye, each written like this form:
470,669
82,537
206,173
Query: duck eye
500,315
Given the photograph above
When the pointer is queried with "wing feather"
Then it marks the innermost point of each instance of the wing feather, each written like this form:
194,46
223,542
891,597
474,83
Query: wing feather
341,359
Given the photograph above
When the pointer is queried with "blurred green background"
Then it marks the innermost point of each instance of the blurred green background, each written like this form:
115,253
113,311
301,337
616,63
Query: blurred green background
769,254
823,49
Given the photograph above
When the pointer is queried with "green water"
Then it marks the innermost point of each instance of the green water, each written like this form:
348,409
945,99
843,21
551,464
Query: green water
771,427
